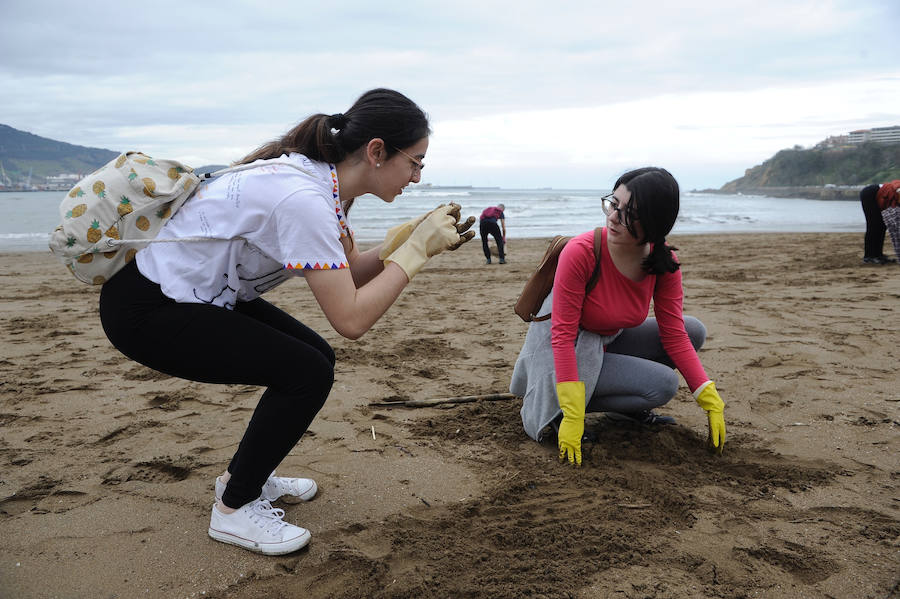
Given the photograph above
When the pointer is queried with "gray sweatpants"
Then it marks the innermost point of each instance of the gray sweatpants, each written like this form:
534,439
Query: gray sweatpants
637,374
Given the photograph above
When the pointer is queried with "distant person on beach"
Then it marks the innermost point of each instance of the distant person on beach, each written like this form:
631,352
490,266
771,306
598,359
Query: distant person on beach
490,222
875,228
193,310
888,198
599,352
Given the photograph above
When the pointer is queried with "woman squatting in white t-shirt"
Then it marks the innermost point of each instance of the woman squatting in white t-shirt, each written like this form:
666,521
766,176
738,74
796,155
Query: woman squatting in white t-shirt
193,309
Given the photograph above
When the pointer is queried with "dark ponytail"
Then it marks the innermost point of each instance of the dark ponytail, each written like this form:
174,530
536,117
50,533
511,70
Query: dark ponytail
655,203
661,259
382,113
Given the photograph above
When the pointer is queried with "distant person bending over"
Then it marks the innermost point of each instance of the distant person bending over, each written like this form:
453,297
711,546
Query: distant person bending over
488,226
888,198
599,352
875,228
193,310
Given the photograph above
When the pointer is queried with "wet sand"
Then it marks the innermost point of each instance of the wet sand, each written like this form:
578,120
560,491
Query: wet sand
108,467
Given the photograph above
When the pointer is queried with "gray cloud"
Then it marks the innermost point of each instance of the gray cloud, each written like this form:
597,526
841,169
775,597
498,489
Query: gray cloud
85,72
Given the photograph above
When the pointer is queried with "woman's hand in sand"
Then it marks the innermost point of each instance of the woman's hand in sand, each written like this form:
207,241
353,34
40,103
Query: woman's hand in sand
708,399
715,441
571,429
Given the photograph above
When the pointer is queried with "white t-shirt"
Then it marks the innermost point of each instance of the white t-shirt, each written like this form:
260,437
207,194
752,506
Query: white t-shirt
290,220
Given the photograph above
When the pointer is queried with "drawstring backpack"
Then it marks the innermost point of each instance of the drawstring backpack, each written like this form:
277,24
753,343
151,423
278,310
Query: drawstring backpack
121,207
539,284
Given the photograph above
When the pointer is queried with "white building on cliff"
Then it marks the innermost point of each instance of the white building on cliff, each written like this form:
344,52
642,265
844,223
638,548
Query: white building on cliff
884,135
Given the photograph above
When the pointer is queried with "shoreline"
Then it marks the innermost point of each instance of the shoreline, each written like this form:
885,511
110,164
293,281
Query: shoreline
108,462
545,238
803,192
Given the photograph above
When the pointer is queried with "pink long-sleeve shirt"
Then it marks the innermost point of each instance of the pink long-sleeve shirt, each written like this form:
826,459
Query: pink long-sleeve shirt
615,303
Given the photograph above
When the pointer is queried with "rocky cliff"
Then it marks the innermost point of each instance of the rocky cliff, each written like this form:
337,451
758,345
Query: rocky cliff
820,173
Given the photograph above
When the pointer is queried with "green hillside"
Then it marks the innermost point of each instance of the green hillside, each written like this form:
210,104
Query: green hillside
22,153
852,165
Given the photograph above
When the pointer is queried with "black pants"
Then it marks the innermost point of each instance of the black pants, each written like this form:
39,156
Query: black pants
875,228
487,227
254,344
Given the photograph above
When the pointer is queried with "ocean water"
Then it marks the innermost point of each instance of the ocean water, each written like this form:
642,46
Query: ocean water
27,218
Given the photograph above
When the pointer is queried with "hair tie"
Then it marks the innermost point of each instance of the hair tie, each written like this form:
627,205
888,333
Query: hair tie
338,121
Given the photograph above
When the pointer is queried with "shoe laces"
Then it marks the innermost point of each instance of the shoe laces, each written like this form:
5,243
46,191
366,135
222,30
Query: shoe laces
267,517
277,486
280,485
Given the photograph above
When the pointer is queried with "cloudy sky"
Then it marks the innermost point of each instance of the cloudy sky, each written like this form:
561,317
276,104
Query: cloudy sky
520,94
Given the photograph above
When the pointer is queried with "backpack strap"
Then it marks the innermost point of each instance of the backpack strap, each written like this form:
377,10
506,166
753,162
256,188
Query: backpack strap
595,275
244,167
207,177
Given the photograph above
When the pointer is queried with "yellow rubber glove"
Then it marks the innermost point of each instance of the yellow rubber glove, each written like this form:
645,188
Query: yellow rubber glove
397,236
709,400
571,429
436,233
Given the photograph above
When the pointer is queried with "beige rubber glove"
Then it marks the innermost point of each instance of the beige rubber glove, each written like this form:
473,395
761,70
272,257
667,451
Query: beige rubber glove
709,400
571,429
398,235
433,235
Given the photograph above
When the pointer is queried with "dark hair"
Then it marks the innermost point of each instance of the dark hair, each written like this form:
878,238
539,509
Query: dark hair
383,113
655,203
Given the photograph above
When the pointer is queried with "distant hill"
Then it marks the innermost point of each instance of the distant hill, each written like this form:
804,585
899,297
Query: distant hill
850,165
22,152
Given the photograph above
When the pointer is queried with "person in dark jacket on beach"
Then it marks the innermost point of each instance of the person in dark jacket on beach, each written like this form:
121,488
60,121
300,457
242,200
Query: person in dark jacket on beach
488,225
875,227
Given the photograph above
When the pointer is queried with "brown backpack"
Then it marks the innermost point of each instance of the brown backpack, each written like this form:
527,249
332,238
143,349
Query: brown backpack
540,282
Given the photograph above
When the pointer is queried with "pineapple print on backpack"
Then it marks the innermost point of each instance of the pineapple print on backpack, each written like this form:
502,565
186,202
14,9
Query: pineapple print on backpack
94,234
149,187
127,202
76,211
124,206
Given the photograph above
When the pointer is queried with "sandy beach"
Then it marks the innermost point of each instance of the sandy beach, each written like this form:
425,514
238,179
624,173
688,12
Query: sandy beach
108,467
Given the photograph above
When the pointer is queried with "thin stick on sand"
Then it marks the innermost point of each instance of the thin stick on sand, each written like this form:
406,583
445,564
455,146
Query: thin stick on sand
424,403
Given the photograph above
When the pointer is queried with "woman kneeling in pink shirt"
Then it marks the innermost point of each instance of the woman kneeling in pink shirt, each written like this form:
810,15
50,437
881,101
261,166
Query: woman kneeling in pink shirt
607,355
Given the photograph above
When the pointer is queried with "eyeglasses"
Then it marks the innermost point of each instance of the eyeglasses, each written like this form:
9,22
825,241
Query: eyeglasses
610,205
416,166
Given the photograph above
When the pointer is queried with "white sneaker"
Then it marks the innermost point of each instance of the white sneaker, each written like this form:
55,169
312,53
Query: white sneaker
259,527
277,487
